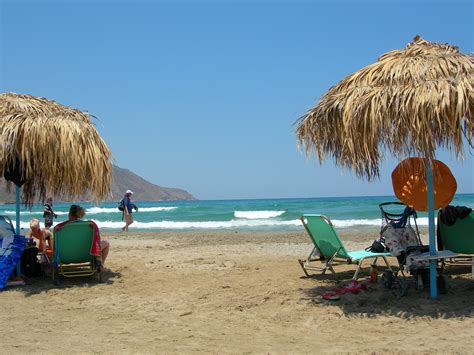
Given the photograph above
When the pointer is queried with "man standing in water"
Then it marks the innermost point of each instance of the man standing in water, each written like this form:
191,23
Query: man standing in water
127,210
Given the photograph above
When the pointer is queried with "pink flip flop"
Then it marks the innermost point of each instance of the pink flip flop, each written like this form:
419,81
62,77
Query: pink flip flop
355,287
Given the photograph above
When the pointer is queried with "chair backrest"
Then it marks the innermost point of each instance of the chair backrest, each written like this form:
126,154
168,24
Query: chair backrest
324,236
459,237
72,243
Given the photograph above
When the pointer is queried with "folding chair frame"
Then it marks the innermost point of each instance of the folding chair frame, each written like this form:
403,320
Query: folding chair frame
315,255
327,264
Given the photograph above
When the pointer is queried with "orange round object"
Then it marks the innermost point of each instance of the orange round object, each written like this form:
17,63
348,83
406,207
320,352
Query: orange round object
409,184
49,253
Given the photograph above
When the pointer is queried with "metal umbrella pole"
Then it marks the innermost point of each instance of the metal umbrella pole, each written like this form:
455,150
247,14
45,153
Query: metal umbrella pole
431,229
17,191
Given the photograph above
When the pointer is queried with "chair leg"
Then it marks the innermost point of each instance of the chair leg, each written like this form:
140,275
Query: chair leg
359,266
386,263
472,269
329,262
305,264
314,254
55,276
356,274
330,268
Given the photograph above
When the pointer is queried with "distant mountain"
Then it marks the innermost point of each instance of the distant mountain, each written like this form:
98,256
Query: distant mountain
122,180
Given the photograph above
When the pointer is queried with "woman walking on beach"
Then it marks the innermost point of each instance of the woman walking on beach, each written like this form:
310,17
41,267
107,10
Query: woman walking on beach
127,210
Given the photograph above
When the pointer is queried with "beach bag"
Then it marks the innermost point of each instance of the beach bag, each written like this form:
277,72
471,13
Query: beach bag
376,247
30,266
121,206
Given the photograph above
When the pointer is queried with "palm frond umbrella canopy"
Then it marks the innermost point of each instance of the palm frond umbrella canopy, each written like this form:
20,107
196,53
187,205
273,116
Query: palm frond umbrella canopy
410,102
51,149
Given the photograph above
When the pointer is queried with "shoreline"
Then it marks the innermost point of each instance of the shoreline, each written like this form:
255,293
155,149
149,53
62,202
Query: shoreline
354,236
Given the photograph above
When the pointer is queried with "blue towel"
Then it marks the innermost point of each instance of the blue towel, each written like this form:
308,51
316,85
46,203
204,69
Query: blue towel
10,257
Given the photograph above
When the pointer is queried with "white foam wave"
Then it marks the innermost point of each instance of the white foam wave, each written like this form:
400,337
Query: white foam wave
199,225
345,223
97,210
235,223
258,214
26,225
156,209
89,211
32,213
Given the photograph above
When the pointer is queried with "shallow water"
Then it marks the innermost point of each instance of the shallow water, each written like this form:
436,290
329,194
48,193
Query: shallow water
263,214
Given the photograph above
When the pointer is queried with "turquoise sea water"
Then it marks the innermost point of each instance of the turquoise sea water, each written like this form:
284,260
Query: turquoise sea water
265,214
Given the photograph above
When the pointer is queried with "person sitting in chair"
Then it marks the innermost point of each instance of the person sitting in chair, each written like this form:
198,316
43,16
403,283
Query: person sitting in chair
43,236
100,248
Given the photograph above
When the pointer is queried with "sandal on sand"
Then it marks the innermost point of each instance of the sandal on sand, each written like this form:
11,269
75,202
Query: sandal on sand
331,296
353,287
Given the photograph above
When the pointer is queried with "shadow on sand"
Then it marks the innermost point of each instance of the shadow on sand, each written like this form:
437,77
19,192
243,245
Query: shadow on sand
37,285
456,303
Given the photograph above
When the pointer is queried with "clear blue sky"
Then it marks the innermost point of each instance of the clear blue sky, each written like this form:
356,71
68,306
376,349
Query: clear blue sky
202,95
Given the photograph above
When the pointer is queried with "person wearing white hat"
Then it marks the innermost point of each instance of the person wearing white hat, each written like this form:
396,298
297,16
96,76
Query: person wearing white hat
127,209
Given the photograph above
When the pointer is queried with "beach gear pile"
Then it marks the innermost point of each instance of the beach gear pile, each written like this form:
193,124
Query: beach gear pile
11,249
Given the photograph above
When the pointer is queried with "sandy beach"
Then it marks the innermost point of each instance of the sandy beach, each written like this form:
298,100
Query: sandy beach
229,292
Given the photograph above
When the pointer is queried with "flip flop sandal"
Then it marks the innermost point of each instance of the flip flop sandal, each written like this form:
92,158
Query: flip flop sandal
331,296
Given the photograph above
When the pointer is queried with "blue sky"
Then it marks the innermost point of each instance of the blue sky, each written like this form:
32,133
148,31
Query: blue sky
202,95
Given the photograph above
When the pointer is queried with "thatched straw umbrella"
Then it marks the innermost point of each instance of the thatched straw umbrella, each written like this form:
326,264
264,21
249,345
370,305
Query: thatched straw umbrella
51,149
409,102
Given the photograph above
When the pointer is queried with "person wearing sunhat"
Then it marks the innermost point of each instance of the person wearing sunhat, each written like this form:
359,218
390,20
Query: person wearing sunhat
128,206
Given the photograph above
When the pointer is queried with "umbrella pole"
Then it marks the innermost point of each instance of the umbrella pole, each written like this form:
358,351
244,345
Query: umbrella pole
431,228
17,191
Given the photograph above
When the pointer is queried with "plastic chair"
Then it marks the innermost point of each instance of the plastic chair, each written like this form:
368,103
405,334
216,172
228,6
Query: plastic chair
71,251
329,249
459,238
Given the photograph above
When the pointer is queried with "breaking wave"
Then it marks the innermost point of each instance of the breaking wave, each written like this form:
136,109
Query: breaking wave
346,223
97,210
90,211
233,224
258,214
33,213
200,225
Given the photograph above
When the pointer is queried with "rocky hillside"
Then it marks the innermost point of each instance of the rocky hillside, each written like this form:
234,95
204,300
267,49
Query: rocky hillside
143,190
122,180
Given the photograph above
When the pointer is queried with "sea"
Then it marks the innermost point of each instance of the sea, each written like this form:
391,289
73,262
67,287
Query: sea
252,215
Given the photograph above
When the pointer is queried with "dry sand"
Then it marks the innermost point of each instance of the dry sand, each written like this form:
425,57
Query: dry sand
229,292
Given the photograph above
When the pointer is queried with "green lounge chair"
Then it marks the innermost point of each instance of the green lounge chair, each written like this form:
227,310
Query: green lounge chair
71,251
329,250
459,238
